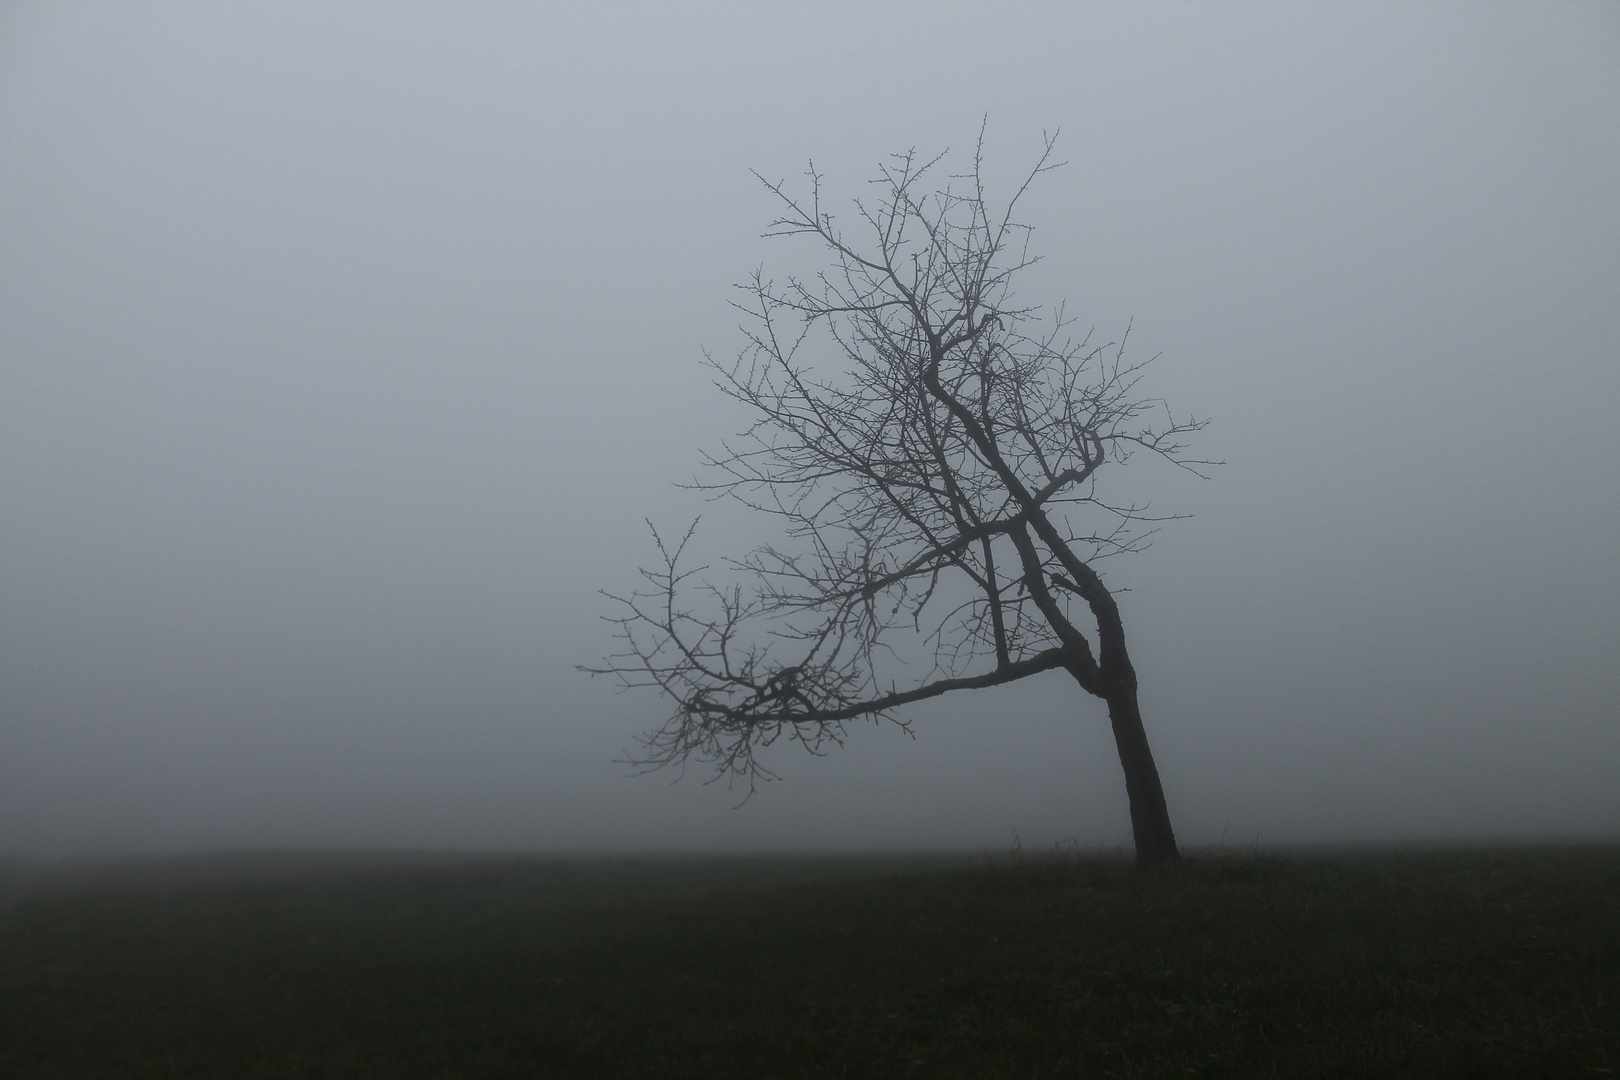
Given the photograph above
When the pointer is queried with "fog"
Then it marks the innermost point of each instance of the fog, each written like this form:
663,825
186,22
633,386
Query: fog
344,350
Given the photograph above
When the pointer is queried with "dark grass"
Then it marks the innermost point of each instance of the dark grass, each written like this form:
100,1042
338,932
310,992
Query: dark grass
1498,963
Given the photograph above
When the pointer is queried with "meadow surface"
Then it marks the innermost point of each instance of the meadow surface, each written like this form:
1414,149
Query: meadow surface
1464,963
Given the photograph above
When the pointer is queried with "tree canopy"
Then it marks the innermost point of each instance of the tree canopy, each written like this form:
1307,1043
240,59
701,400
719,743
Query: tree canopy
932,449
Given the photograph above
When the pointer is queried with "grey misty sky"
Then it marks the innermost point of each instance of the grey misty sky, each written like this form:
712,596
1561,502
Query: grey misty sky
344,348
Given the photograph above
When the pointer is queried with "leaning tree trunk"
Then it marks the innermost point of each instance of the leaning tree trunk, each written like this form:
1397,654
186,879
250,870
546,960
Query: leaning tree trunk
1113,679
1150,818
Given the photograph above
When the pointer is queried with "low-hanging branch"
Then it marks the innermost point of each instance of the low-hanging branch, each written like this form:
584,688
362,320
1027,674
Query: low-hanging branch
780,690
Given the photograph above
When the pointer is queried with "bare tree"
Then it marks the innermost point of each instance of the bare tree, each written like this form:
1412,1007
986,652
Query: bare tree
939,497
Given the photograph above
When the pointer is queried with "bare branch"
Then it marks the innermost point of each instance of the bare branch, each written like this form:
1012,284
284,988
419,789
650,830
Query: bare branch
910,418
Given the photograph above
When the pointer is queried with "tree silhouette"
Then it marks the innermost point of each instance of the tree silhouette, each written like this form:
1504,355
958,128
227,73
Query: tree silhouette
939,496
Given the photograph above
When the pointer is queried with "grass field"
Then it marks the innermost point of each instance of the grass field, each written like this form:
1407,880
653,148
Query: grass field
1468,963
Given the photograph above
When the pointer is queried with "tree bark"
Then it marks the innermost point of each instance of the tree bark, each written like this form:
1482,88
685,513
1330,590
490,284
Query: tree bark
1150,818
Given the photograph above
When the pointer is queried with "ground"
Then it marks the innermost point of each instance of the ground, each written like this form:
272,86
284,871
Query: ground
1480,963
